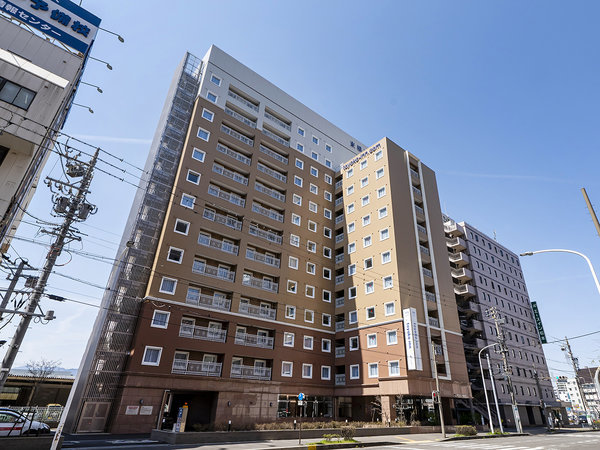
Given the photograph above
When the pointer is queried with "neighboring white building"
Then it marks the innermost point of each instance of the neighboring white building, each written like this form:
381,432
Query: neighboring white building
567,391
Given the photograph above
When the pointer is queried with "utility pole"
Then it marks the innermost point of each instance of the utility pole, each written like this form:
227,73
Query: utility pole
591,209
74,208
437,390
542,402
575,363
487,356
493,312
11,287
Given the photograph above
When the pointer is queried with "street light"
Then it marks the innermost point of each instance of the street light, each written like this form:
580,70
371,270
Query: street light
93,85
562,250
108,66
84,106
117,35
487,403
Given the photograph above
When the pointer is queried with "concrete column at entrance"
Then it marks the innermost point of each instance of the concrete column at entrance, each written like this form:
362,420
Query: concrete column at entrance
388,412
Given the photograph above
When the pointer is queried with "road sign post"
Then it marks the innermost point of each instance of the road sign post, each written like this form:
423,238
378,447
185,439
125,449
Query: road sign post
300,405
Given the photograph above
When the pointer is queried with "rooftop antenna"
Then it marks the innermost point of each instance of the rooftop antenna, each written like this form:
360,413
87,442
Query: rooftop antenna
495,238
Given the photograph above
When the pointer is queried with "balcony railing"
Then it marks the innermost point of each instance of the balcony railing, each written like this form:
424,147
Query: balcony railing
419,210
257,311
233,154
270,192
464,289
340,379
226,247
417,191
414,173
340,352
202,368
241,118
422,229
424,249
427,272
434,322
259,283
339,258
239,136
227,196
276,138
272,173
438,349
279,122
272,154
267,212
339,279
204,333
237,177
430,297
253,340
338,185
223,220
243,101
250,372
213,271
339,326
207,301
262,258
339,302
338,219
339,238
264,234
339,201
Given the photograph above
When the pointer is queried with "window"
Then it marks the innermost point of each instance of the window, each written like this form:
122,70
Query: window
307,370
212,97
160,319
288,339
300,147
367,241
350,208
368,263
327,196
350,190
294,240
364,182
365,200
292,286
325,372
297,200
328,164
290,312
308,343
286,368
328,178
208,115
328,148
311,246
15,95
390,308
381,192
175,255
151,356
352,317
363,164
351,227
326,296
215,79
373,370
353,343
312,226
310,268
326,273
187,201
314,171
315,140
293,263
369,287
309,291
349,173
384,234
312,206
327,233
168,285
300,131
181,226
354,372
326,320
309,316
370,312
392,337
394,368
366,220
352,292
351,247
193,177
386,257
351,269
203,134
198,154
296,220
297,181
388,283
326,345
383,212
327,213
378,155
314,189
314,156
371,340
379,173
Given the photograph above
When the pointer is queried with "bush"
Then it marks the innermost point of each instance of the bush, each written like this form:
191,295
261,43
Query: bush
331,437
466,430
348,432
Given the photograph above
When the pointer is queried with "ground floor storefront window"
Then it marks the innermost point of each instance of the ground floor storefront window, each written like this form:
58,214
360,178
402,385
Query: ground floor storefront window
314,406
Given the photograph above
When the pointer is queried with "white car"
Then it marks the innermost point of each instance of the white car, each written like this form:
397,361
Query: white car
13,423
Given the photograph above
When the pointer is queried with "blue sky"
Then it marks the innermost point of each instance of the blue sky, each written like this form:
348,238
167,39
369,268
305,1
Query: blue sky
499,98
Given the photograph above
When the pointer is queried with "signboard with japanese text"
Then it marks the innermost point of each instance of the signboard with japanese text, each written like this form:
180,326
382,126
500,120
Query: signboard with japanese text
411,339
62,20
538,323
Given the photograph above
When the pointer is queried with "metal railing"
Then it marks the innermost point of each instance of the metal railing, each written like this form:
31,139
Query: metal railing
339,258
237,177
339,201
339,238
427,272
338,185
240,117
250,372
417,191
340,379
272,173
227,196
339,279
236,135
276,138
279,122
272,154
257,311
430,297
233,154
422,229
264,234
340,352
414,172
262,258
270,192
419,210
243,101
260,283
39,413
424,249
213,271
202,368
339,326
434,322
226,247
339,302
253,340
217,303
203,333
223,220
267,212
339,218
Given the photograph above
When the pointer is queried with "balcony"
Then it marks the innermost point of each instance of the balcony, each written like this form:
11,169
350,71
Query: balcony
270,192
339,258
460,258
272,173
415,175
270,213
207,301
424,250
454,229
456,243
462,275
257,311
253,340
464,289
262,258
339,326
250,372
338,185
339,219
264,234
339,279
233,154
468,307
276,138
434,322
223,246
274,155
203,333
237,177
243,101
239,136
339,302
223,220
339,238
438,349
202,368
422,231
240,117
430,297
259,283
340,352
427,272
277,121
227,196
420,211
340,379
339,201
417,194
213,271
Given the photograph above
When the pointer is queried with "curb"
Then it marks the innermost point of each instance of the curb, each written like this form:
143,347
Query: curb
484,436
316,446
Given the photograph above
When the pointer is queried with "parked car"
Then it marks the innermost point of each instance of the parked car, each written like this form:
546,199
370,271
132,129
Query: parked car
14,423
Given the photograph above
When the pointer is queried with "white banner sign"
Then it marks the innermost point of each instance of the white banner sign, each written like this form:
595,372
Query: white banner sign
411,339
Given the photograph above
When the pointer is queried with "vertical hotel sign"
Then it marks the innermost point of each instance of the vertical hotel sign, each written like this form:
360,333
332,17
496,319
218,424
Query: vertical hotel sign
411,339
62,20
538,323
